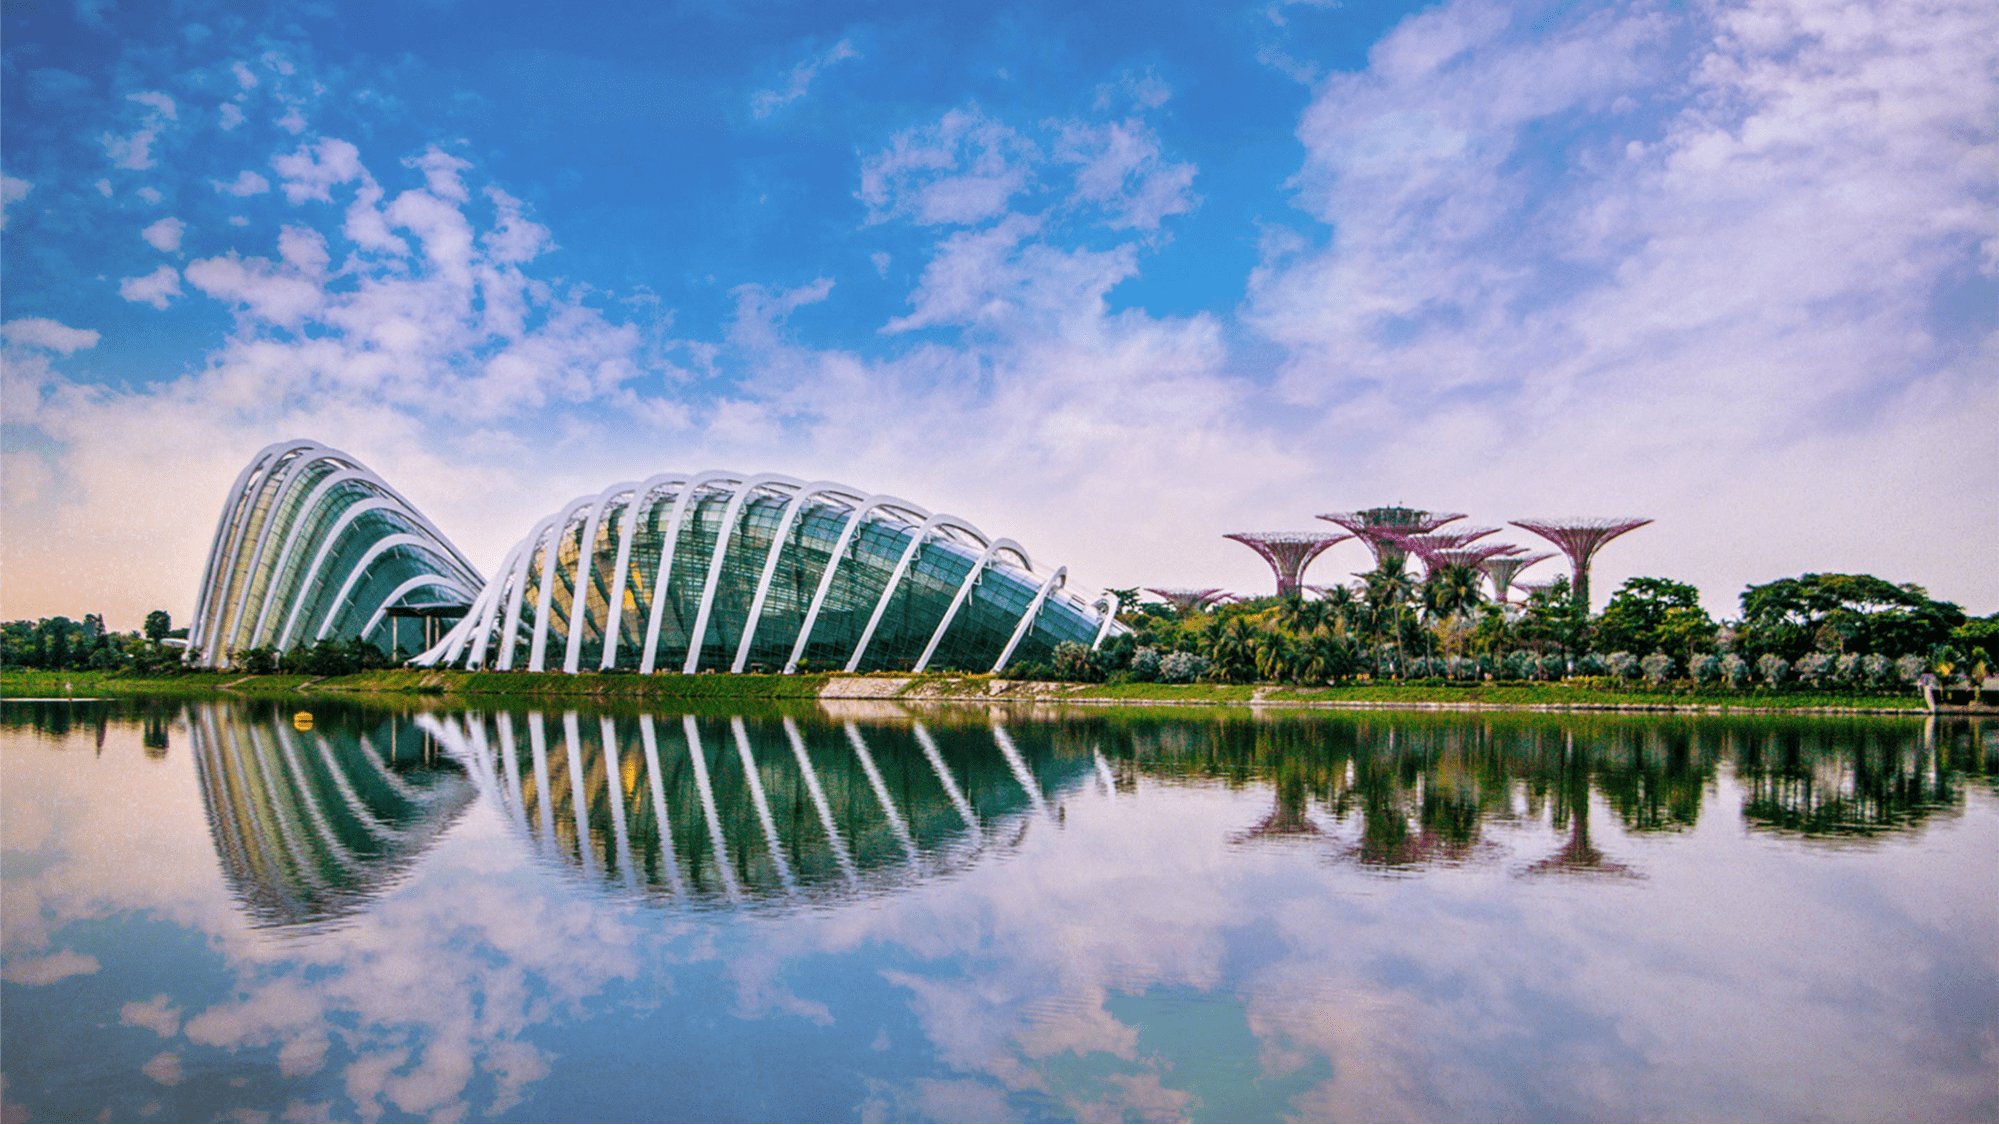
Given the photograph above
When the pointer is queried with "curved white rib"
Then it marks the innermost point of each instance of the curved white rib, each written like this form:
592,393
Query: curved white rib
818,795
310,455
730,514
419,581
669,544
667,858
1110,606
879,500
319,560
483,618
613,639
226,527
517,590
579,597
296,535
1027,619
937,522
545,597
382,546
965,591
762,804
792,509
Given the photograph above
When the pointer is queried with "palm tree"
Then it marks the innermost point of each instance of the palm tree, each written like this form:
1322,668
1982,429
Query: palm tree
1230,649
1390,591
1274,655
1452,591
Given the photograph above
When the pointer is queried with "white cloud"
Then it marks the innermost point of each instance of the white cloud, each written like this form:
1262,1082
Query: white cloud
41,332
161,105
246,183
150,194
155,1015
104,188
763,103
1121,172
12,190
49,968
133,151
964,169
245,77
230,116
313,171
165,235
157,288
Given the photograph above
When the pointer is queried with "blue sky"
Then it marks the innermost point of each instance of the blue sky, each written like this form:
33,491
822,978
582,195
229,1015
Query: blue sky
1109,283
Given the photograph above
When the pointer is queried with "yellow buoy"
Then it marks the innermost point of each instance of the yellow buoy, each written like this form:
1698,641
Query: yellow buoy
302,721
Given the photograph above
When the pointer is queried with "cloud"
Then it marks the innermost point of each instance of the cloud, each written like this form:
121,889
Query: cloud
246,183
1121,172
49,968
157,288
230,116
763,103
313,171
963,169
161,105
41,332
165,235
155,1015
164,1068
12,190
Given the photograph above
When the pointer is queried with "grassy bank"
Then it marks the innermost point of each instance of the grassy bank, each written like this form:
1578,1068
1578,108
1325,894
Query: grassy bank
16,683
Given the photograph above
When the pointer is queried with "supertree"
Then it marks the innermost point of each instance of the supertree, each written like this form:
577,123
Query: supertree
1287,552
1430,545
1375,526
1502,569
1189,600
1580,537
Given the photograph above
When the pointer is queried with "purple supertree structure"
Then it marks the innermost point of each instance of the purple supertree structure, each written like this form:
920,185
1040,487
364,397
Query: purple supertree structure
1580,537
1287,552
1502,569
1430,545
1189,600
1376,526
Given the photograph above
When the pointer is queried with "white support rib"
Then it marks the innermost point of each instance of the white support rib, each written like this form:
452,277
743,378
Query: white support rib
418,582
227,529
818,795
762,802
241,508
875,782
669,544
826,576
586,564
477,627
319,561
309,455
1109,605
916,541
965,591
1027,619
633,511
382,547
545,597
792,508
510,635
296,535
730,514
951,789
699,758
670,861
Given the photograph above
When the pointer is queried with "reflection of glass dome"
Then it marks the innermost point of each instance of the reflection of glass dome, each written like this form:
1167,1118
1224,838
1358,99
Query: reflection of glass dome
742,810
310,824
730,571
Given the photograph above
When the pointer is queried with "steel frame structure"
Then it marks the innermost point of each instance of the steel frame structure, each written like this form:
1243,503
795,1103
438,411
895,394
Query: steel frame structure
1287,552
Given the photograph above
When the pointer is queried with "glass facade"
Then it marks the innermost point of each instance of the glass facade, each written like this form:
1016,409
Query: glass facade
709,572
731,573
312,546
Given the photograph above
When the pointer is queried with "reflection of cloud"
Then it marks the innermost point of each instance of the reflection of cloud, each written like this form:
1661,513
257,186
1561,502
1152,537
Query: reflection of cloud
49,969
163,1068
154,1015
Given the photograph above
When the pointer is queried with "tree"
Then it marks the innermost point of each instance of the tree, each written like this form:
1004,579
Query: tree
1845,612
158,625
1654,615
1452,591
1551,617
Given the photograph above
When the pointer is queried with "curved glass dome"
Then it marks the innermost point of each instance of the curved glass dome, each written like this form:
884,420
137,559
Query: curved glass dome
734,572
313,546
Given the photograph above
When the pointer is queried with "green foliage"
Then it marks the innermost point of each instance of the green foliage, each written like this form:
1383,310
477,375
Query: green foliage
1844,612
1655,615
158,624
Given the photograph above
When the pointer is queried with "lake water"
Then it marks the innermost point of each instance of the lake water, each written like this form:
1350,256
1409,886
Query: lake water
229,910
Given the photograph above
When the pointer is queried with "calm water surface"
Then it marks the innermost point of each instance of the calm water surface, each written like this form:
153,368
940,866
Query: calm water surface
210,912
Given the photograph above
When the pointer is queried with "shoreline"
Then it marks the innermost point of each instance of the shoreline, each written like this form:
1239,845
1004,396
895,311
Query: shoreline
25,685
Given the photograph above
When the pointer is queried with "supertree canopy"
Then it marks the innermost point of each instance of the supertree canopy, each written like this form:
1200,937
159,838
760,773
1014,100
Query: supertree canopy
1580,537
1287,552
1429,546
1501,570
1377,527
1189,600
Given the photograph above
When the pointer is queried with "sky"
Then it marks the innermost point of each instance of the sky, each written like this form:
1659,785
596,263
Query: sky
1105,283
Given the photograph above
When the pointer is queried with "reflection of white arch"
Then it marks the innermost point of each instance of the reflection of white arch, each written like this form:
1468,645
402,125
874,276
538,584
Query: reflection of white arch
744,490
951,789
579,798
1020,771
818,795
586,560
634,511
757,798
792,509
614,784
1028,618
965,591
937,522
667,858
875,782
699,759
669,546
854,518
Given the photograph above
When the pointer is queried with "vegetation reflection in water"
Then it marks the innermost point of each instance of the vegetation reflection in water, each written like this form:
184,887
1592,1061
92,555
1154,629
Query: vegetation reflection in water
793,810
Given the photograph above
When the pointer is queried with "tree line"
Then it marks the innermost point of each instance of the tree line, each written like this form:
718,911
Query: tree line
1816,631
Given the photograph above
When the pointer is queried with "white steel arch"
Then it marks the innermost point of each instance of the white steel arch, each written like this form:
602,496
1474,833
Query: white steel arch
297,533
381,547
1108,604
417,583
319,560
669,544
1028,618
965,591
517,589
545,597
227,526
307,455
854,518
791,512
937,522
744,491
587,560
634,511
